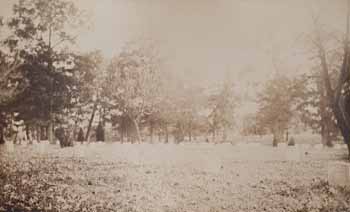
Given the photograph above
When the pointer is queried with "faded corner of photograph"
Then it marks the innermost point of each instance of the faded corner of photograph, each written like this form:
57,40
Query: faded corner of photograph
174,105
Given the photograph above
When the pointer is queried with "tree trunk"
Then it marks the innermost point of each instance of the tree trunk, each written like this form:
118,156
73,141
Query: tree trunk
214,135
122,134
325,119
40,133
159,133
122,129
51,115
166,133
190,131
336,96
277,136
348,145
87,136
325,135
339,110
127,135
2,140
28,134
43,133
151,126
137,128
75,131
37,135
224,134
128,129
33,133
50,133
179,133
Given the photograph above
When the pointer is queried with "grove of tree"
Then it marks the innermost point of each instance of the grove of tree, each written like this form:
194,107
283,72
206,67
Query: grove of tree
57,91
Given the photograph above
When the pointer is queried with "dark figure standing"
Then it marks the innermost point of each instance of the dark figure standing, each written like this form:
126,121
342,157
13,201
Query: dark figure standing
81,135
100,133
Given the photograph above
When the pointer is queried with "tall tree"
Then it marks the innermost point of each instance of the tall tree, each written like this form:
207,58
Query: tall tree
10,88
338,93
40,31
315,111
277,103
223,104
134,82
91,78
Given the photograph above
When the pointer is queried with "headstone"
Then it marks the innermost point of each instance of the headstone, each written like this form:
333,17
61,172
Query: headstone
339,173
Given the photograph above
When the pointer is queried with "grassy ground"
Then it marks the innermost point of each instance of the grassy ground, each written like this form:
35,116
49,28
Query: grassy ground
167,177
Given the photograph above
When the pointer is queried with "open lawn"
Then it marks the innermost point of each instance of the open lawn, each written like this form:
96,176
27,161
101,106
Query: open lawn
168,177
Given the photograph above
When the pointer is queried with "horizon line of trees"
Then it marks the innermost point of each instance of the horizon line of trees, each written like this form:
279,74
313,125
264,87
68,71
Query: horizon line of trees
60,93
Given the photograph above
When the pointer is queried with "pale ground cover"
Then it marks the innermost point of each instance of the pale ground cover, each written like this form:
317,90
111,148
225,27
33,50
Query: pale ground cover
168,177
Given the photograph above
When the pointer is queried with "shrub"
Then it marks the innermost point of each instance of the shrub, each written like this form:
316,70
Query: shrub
291,141
63,137
274,142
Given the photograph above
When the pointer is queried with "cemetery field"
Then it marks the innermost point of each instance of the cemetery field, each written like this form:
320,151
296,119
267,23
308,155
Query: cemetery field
169,177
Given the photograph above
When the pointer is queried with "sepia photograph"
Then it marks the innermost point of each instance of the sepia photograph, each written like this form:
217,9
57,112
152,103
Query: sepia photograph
174,105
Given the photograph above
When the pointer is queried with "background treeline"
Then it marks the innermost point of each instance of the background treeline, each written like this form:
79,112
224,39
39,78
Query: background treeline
48,89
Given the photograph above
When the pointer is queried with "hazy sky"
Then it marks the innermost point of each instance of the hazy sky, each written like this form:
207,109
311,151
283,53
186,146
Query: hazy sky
212,36
209,37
